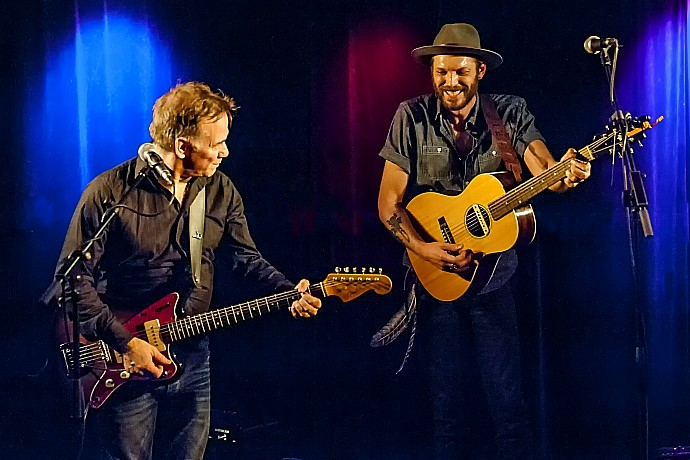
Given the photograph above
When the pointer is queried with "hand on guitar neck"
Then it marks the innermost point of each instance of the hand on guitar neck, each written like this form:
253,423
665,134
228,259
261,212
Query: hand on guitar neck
578,171
307,305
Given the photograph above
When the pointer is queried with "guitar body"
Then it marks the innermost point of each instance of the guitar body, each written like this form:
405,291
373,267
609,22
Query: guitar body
466,219
106,372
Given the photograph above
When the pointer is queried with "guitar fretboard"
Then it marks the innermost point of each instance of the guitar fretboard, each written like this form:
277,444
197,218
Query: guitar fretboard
520,195
216,319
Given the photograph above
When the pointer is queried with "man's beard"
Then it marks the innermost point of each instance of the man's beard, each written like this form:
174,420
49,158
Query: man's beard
460,101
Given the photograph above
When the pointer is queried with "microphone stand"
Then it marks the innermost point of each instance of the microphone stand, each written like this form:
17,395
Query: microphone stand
636,208
67,277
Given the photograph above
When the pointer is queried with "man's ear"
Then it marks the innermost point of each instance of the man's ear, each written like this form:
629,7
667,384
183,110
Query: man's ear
181,147
482,70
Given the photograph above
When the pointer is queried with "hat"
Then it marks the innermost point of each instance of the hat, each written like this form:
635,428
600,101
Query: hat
457,39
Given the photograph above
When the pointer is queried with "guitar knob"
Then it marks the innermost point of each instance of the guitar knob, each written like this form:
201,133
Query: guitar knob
124,375
109,383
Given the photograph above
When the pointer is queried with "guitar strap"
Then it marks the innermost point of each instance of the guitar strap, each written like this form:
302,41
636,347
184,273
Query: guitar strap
500,137
197,217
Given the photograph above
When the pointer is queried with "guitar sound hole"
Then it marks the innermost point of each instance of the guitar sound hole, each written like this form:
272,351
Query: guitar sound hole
477,221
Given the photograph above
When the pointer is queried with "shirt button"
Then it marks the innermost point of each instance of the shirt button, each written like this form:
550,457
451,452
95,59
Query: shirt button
493,153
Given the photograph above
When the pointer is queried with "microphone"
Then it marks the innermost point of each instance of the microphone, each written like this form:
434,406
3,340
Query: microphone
594,44
148,153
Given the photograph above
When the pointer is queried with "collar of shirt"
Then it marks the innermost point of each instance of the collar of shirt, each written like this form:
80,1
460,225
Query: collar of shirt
470,123
194,185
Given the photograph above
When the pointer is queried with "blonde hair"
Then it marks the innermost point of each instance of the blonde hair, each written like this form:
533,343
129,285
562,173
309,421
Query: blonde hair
179,112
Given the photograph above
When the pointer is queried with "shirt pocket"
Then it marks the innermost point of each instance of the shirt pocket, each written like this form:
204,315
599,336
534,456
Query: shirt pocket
490,161
434,163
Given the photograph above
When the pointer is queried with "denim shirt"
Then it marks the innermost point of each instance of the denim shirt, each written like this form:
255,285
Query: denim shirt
421,142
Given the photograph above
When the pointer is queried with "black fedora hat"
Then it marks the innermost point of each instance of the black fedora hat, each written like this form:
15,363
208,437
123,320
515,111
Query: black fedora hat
457,39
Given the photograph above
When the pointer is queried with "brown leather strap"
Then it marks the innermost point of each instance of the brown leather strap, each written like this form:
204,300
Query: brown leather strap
500,137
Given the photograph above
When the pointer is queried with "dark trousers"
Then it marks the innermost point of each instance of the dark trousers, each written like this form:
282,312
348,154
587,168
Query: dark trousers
483,329
166,422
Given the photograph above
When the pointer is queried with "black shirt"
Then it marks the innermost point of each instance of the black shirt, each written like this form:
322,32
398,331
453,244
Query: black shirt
420,141
144,254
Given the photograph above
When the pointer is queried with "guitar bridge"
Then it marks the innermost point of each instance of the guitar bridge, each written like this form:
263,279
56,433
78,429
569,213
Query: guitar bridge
445,230
89,354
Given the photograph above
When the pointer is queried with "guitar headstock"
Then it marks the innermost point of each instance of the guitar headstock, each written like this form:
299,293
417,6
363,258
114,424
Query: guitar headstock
350,283
615,136
640,125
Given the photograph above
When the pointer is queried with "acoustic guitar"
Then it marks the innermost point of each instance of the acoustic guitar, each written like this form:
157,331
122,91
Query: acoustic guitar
491,216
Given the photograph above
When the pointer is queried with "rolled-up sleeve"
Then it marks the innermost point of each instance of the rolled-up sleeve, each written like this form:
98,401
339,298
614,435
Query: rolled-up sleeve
401,139
526,131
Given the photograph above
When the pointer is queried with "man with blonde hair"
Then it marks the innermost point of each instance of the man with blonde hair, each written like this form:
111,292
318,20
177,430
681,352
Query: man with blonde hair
148,253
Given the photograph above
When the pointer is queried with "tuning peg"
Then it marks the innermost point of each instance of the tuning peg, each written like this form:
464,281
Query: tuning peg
337,269
380,271
346,269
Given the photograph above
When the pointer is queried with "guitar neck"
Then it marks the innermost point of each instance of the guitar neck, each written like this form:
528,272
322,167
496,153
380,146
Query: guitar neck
520,195
206,322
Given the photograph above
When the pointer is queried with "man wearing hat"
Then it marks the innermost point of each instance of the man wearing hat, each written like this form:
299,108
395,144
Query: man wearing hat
440,142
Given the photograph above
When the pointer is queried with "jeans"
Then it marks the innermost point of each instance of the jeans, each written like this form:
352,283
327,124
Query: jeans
143,422
483,328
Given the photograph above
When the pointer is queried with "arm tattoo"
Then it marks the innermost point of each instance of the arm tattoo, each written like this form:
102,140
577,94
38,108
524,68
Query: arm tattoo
395,228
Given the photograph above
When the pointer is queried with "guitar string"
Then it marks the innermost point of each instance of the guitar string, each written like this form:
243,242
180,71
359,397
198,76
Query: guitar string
93,351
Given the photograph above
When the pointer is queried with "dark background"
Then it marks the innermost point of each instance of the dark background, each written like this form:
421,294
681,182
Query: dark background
318,83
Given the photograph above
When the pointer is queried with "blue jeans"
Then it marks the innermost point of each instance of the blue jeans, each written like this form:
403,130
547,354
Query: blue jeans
484,329
142,422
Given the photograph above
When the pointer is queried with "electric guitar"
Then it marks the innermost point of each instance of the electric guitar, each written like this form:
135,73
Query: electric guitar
101,368
491,216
